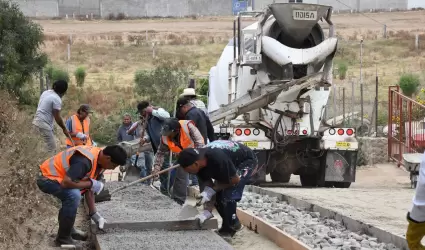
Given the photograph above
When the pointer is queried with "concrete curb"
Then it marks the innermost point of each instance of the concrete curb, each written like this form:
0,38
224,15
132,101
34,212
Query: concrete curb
351,224
258,225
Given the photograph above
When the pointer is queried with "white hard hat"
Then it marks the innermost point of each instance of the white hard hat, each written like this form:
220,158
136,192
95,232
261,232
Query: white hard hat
188,92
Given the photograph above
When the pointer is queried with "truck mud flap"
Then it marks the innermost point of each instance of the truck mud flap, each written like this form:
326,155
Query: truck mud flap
341,166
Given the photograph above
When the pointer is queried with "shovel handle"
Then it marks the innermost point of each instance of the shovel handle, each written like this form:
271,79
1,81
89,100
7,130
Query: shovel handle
145,178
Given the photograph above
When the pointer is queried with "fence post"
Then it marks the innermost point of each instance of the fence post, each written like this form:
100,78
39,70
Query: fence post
343,106
334,103
417,41
376,102
47,82
41,82
361,103
385,31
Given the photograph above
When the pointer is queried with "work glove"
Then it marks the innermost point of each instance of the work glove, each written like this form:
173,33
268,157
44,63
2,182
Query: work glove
205,196
98,219
203,216
155,171
97,186
81,136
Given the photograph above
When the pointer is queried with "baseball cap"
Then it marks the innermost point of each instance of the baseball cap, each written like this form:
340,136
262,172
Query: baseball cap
189,156
170,125
86,108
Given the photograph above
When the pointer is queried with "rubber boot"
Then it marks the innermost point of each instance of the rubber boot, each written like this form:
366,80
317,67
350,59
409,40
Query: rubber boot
415,233
79,235
64,233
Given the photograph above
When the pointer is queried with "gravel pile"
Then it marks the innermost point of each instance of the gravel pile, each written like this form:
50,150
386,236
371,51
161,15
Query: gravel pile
308,227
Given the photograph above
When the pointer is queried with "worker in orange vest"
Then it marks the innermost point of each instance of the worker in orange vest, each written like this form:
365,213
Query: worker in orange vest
176,136
66,174
78,126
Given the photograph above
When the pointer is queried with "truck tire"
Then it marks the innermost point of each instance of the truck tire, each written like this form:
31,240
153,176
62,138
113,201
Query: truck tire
309,180
278,177
342,184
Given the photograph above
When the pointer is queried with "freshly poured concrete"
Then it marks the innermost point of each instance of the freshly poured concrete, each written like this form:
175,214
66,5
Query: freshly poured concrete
141,203
153,240
138,203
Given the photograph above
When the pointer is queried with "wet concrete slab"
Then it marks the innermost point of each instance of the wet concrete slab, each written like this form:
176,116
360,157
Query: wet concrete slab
140,217
164,240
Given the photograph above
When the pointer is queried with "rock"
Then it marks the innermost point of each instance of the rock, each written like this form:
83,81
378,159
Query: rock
336,242
315,214
356,236
365,243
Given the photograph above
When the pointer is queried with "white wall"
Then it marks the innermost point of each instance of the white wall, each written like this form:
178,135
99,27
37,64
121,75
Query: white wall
415,4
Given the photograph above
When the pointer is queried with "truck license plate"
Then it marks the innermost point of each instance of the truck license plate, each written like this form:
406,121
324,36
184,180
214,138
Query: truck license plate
253,59
304,15
251,144
342,144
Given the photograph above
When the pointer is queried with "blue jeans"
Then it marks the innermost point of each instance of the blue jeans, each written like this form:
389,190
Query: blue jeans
194,179
144,163
70,198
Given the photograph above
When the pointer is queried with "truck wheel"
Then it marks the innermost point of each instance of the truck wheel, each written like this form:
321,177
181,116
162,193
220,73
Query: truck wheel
342,184
308,180
278,177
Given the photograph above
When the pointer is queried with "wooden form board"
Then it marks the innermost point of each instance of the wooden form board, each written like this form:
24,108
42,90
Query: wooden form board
176,225
279,237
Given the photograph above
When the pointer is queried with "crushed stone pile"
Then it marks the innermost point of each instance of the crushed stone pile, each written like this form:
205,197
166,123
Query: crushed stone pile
308,227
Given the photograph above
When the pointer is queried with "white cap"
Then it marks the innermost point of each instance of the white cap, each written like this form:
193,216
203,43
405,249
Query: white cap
188,92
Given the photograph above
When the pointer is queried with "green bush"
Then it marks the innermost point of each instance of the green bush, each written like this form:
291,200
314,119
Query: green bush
342,70
20,41
80,76
161,85
55,73
409,84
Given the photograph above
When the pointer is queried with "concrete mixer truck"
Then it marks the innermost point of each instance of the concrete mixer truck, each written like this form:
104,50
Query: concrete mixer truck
270,89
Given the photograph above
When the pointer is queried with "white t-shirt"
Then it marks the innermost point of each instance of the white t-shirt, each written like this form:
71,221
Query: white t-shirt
49,100
418,209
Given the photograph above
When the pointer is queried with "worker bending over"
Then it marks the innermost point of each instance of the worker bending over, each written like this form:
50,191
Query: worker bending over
78,126
176,136
72,171
223,168
416,216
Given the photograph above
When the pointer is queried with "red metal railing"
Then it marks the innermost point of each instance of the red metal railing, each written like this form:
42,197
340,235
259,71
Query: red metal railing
406,125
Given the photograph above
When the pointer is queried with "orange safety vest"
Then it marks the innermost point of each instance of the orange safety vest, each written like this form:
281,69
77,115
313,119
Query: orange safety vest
185,139
55,168
78,126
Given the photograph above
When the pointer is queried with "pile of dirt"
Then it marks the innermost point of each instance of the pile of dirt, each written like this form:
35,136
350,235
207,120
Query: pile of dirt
28,217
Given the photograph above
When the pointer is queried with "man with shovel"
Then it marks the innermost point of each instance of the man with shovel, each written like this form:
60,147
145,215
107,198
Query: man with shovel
223,168
68,173
176,136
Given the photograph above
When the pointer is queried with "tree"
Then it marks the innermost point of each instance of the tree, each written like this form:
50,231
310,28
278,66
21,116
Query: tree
20,40
161,84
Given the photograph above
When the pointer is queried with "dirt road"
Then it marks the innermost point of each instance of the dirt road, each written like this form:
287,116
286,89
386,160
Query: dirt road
345,24
381,196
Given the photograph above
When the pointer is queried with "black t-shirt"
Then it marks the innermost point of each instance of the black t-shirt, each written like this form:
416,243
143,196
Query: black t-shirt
79,166
224,160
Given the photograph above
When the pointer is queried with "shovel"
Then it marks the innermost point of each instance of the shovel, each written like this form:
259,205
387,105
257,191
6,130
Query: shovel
145,178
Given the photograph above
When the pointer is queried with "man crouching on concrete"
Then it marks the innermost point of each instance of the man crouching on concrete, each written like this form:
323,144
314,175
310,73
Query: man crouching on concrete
70,173
230,164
